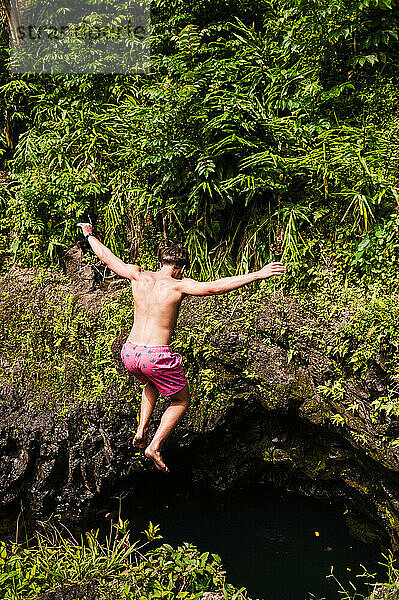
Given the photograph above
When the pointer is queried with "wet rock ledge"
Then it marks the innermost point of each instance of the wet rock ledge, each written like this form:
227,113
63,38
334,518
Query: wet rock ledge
273,402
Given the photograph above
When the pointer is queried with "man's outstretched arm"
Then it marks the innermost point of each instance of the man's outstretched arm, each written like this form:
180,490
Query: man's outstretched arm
226,284
106,256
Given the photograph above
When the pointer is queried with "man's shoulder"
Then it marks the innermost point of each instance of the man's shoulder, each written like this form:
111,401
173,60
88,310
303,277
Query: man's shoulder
187,285
135,271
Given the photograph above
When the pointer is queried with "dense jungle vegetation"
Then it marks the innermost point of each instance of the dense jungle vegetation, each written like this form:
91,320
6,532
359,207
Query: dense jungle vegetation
265,129
261,124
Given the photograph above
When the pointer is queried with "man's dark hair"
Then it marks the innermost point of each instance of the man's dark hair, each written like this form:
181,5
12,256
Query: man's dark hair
174,254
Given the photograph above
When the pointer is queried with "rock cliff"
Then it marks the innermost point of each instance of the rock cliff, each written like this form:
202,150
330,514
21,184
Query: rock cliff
284,394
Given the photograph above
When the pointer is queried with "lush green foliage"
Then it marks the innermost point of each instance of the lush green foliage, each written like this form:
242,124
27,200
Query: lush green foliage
260,121
280,117
117,567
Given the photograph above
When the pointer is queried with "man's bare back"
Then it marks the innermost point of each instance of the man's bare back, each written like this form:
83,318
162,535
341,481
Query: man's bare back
157,298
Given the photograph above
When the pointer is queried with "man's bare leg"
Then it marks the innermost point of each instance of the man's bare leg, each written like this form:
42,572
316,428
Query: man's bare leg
148,399
170,419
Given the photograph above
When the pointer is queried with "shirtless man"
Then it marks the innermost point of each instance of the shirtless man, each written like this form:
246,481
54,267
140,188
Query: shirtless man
146,352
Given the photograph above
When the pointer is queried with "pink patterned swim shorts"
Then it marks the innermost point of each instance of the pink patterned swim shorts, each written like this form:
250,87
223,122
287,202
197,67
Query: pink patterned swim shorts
155,364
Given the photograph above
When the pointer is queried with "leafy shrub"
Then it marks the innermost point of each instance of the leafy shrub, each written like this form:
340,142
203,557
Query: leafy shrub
117,567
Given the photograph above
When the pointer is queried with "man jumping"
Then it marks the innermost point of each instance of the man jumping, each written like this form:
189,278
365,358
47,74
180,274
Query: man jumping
146,353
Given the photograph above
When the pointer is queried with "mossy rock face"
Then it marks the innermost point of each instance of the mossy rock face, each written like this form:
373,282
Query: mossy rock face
360,529
273,400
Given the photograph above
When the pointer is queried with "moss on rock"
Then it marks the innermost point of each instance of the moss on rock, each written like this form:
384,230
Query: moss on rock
295,358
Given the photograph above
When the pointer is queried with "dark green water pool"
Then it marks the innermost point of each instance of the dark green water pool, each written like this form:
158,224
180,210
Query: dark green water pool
267,543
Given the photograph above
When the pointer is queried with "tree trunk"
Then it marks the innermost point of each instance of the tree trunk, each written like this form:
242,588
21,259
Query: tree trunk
13,19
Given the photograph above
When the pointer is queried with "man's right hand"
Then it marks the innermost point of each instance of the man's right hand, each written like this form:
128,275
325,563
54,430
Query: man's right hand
272,269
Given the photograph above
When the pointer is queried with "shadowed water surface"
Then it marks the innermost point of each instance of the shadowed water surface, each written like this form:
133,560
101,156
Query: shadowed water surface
267,543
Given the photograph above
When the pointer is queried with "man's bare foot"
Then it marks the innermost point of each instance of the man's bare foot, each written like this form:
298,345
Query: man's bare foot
157,458
139,439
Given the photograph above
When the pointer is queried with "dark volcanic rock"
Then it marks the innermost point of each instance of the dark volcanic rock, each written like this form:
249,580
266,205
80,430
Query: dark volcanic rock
57,465
87,591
